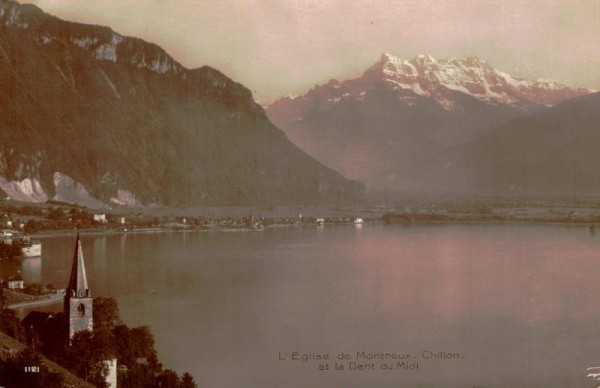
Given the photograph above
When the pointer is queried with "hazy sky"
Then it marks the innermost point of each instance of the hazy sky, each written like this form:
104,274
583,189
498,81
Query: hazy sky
278,47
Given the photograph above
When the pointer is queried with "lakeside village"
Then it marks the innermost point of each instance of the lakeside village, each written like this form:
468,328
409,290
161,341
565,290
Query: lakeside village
20,222
55,217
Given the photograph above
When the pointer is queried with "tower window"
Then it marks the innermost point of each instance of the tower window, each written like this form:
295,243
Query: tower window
81,309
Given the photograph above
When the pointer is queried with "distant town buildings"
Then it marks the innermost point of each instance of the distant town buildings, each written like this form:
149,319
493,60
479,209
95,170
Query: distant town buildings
16,284
100,218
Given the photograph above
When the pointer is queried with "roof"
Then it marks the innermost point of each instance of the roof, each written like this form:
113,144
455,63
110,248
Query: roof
78,285
37,319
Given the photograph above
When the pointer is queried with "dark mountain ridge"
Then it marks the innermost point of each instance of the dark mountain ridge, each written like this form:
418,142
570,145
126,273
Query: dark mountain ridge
94,117
551,152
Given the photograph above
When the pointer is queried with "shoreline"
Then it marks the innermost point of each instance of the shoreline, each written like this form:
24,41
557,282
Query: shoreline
44,301
500,222
107,232
47,221
110,232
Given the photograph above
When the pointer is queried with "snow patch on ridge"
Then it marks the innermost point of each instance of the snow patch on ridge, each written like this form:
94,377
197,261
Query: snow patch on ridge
514,82
26,190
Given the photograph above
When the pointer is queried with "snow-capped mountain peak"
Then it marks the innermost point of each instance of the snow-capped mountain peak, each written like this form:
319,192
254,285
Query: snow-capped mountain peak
474,76
455,85
439,80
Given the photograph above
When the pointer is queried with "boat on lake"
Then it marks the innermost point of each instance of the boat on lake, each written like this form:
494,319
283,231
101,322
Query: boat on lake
30,248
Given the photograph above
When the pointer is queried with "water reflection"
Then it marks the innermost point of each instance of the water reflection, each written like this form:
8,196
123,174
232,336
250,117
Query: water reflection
100,249
32,269
123,242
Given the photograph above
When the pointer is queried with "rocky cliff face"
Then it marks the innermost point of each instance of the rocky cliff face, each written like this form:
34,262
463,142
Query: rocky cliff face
389,127
93,116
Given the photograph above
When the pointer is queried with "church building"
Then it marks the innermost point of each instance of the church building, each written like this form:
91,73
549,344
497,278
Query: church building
79,304
78,298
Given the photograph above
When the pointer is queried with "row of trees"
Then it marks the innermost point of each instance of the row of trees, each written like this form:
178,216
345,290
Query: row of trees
58,218
9,323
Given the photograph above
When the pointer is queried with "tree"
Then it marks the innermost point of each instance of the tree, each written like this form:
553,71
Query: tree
32,226
86,355
135,350
10,251
134,344
10,324
106,314
168,379
187,381
55,213
138,377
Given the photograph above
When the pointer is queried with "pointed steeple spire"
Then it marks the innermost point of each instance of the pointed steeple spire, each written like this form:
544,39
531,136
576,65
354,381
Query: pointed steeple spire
78,285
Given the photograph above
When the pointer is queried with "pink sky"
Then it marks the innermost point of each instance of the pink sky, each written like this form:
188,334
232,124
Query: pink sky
278,47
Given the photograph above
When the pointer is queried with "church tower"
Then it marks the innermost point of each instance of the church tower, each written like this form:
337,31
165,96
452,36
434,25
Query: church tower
78,298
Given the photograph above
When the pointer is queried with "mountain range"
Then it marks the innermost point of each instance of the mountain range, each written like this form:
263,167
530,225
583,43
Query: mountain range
408,125
93,117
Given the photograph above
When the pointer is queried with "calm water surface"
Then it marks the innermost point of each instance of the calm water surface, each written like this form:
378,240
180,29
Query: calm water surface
518,305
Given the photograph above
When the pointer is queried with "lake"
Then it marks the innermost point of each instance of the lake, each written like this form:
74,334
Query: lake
449,305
